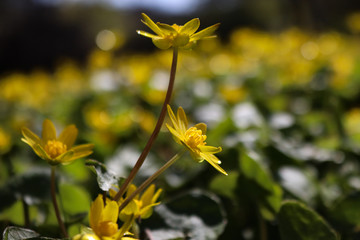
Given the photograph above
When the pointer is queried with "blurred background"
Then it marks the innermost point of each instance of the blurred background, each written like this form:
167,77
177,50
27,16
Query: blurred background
279,89
40,33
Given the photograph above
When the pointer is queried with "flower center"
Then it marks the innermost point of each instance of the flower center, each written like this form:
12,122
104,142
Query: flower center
194,138
108,228
55,148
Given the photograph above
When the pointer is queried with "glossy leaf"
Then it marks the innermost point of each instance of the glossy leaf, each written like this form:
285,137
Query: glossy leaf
299,222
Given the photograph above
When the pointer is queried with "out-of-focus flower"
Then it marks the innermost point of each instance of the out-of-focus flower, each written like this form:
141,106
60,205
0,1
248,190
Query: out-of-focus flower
103,218
103,222
193,139
5,141
175,35
139,207
55,149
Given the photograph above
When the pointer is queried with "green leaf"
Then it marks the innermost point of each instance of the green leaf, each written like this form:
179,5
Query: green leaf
197,213
105,178
74,199
259,186
254,172
298,222
16,233
32,186
346,211
225,185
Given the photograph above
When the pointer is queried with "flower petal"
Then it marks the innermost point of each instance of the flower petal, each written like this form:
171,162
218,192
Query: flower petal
68,136
190,27
30,137
176,135
205,33
65,158
48,131
148,22
146,34
39,150
162,43
173,119
81,151
166,28
146,197
96,209
208,158
210,149
182,119
202,127
110,212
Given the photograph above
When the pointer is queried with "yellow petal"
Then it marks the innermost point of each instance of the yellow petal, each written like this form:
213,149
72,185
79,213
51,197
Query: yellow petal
110,212
64,158
148,22
172,117
39,150
68,136
210,149
48,131
131,209
202,127
207,32
146,197
157,195
162,43
176,135
209,159
30,137
166,28
146,34
181,40
81,151
182,120
130,190
190,27
147,211
96,209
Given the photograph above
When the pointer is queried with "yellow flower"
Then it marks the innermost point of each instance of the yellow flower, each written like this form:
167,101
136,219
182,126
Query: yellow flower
193,139
103,218
139,207
55,149
89,236
175,35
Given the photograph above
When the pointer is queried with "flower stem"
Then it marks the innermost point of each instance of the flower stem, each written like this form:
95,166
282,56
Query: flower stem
150,180
156,131
26,213
56,208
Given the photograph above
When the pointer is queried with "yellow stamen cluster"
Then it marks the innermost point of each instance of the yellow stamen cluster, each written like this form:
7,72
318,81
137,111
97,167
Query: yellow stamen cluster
194,138
55,148
108,228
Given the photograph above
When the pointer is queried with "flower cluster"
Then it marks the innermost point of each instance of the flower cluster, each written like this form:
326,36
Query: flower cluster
113,215
174,35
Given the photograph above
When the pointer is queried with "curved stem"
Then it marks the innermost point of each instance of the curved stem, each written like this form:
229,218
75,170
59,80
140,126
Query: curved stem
156,131
56,207
150,180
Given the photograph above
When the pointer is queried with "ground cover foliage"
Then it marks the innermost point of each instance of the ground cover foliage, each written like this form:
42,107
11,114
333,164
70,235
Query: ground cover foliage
284,107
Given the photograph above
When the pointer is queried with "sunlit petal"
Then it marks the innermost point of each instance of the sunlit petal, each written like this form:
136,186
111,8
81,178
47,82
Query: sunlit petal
30,137
190,27
146,34
48,131
68,136
207,32
182,119
148,22
166,28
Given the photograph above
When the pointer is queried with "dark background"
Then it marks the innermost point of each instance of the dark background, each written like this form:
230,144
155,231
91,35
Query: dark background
39,34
